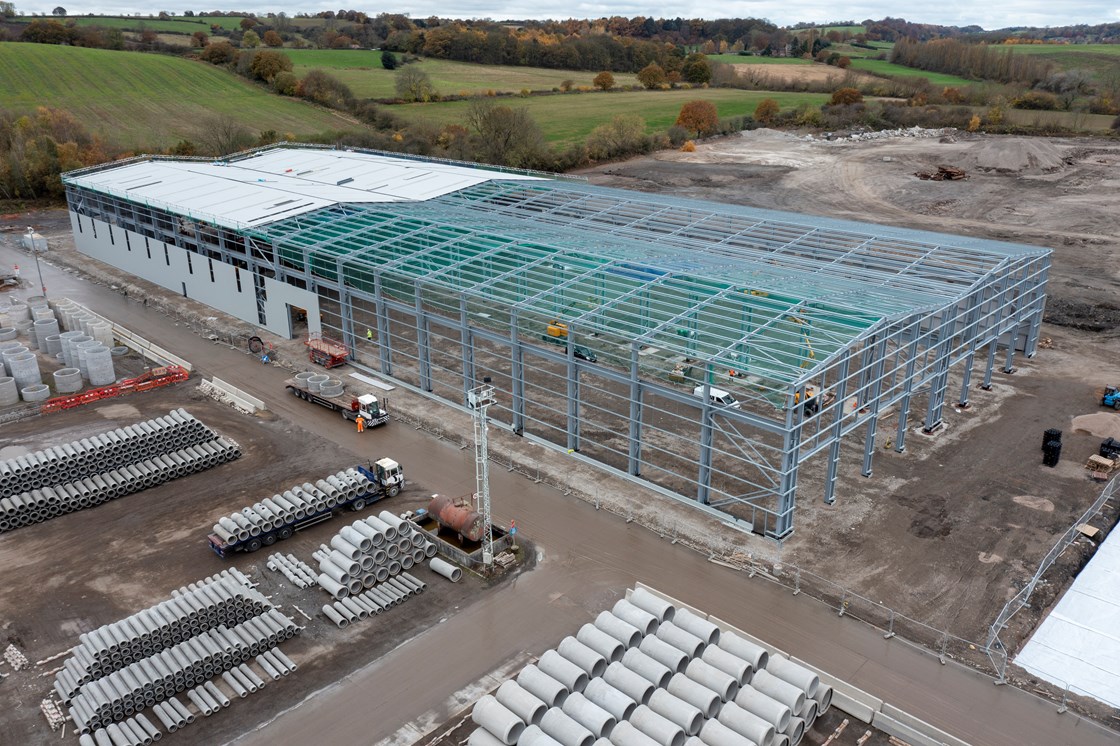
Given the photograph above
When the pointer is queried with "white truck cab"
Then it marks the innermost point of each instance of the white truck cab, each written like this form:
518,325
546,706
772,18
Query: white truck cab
370,408
717,397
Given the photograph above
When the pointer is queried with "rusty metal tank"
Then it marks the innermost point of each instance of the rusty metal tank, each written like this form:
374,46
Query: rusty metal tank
459,515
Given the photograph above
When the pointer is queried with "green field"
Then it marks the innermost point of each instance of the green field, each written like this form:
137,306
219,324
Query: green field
1101,59
139,23
569,118
361,70
882,67
754,59
138,101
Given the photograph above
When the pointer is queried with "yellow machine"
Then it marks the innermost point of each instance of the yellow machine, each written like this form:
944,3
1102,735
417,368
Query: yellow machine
557,329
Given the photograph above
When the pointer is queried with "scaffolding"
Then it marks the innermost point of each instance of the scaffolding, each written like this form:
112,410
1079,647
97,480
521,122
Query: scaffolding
815,326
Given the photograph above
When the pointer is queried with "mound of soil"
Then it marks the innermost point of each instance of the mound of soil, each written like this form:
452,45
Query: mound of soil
1015,155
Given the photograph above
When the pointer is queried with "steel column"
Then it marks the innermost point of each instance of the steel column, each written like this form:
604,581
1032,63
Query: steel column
704,477
423,345
880,351
940,380
908,387
837,426
384,344
467,348
516,376
634,455
987,385
573,393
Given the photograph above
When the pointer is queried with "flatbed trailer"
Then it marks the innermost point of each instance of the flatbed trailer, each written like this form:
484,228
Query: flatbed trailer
370,407
378,490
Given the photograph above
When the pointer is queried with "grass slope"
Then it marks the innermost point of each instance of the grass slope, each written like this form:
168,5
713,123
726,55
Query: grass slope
1103,60
754,59
139,101
138,23
361,70
882,67
570,118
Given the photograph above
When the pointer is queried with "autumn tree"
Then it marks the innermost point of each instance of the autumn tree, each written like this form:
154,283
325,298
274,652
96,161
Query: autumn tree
219,53
221,134
624,135
326,90
698,116
695,69
766,110
652,76
199,39
250,40
505,136
603,81
272,39
248,23
266,65
413,84
845,96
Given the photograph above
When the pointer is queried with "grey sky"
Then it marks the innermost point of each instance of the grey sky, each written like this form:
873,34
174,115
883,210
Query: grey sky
990,15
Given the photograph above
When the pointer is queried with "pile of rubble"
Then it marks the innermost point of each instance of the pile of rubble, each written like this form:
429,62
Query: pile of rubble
943,173
920,132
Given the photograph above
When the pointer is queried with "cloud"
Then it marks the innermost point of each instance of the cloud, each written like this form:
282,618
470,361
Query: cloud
783,12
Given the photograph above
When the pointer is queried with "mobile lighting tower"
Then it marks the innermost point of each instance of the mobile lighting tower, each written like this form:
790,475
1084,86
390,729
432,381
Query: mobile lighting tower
480,398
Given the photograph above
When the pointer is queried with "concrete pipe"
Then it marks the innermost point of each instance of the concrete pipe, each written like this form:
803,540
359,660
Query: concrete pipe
489,713
349,603
673,708
392,551
770,710
753,654
276,663
631,614
7,334
707,675
654,604
715,733
631,684
348,549
336,589
251,674
782,691
625,734
399,524
118,736
583,656
381,574
648,668
611,700
369,579
169,722
200,702
697,695
446,569
418,585
375,537
25,369
796,731
823,699
271,670
483,737
563,728
697,625
781,739
521,702
149,728
600,642
747,724
68,380
351,566
794,674
394,567
809,714
237,687
9,391
659,728
542,686
284,659
589,715
334,572
664,653
563,670
381,527
692,645
401,586
244,681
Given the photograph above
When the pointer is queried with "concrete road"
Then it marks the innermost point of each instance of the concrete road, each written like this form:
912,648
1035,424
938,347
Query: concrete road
587,560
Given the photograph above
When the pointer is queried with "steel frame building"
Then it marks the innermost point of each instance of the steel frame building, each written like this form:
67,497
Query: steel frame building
816,326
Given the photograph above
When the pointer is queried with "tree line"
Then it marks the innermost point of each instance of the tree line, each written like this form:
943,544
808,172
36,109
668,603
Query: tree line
976,62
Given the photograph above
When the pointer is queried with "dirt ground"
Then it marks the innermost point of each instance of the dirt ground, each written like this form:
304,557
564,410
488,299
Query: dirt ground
762,73
73,573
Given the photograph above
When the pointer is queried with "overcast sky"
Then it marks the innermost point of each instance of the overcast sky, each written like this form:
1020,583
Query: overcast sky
991,15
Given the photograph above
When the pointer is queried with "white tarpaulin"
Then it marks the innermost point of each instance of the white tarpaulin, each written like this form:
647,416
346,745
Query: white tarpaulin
1078,644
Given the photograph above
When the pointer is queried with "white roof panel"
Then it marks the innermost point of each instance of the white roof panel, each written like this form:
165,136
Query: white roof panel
280,182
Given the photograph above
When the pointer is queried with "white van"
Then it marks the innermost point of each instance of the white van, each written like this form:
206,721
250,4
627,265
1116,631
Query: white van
717,397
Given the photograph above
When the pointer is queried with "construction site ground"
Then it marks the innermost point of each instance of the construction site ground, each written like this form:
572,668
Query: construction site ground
944,533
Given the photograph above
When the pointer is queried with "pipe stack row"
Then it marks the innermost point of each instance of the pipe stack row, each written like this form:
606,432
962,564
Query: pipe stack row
42,504
370,551
649,674
101,453
133,731
176,669
293,505
224,600
294,569
373,601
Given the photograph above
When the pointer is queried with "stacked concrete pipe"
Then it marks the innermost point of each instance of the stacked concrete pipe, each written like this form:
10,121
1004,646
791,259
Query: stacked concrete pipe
367,603
299,573
671,677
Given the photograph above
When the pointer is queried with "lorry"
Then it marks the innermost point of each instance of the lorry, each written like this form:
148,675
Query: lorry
385,479
372,409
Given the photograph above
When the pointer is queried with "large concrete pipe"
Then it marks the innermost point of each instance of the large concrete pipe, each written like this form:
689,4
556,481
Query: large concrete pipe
697,625
602,643
625,734
781,739
446,569
655,605
534,736
631,614
589,715
483,737
336,589
707,675
697,695
792,673
542,686
336,573
630,683
748,651
563,670
823,699
583,656
680,639
675,709
339,620
770,710
624,632
612,700
496,718
747,724
659,728
796,731
565,729
648,668
809,714
664,653
521,702
784,692
715,733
